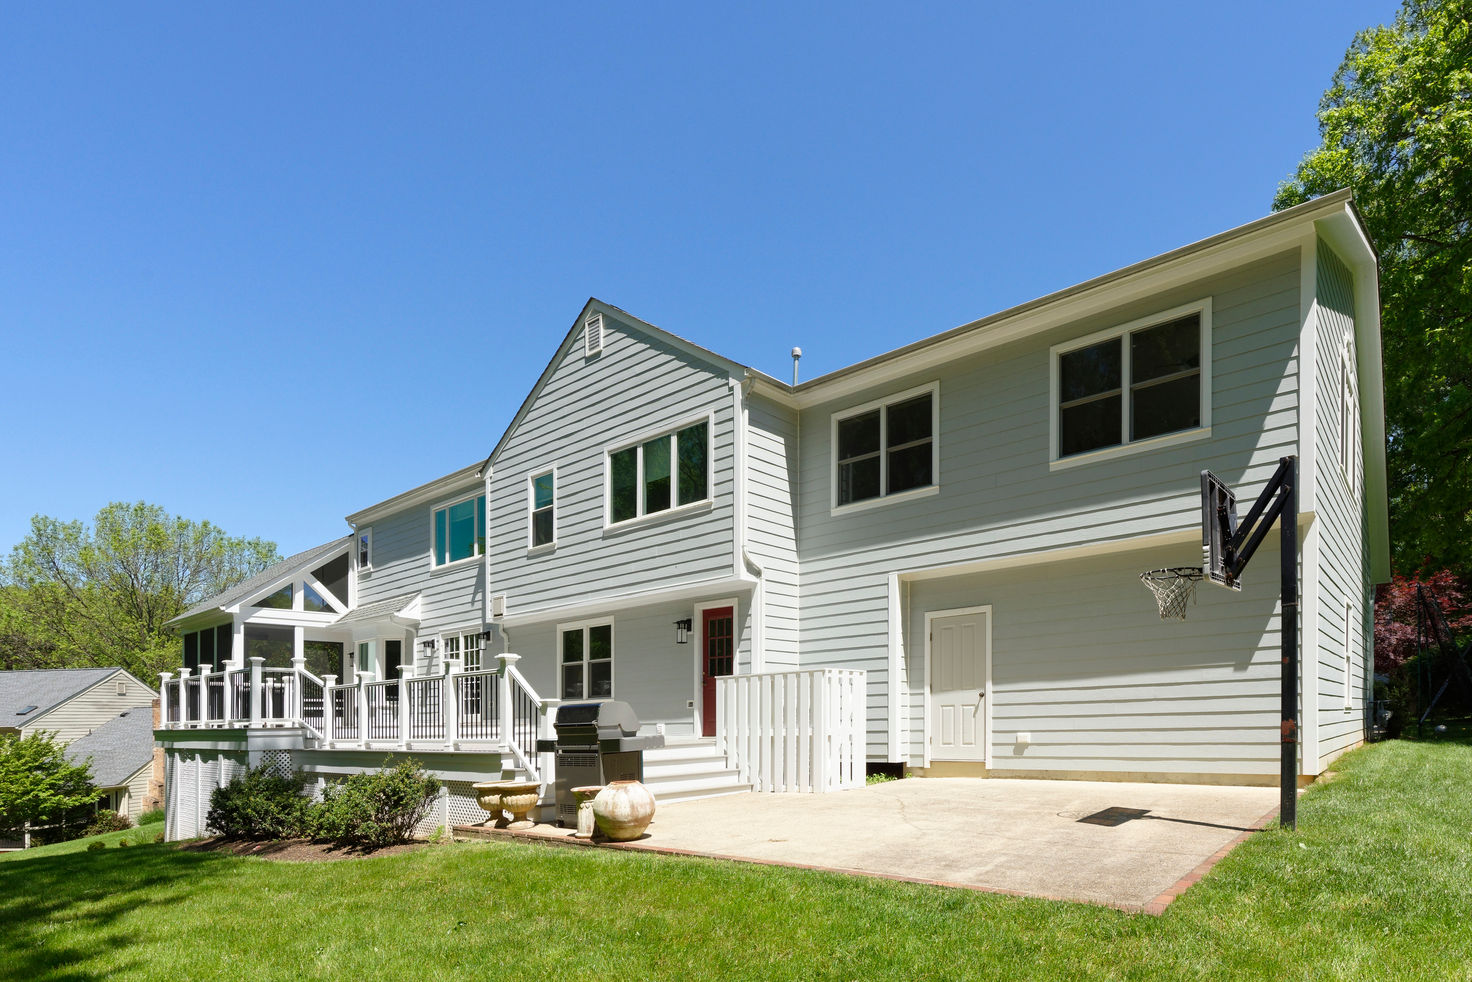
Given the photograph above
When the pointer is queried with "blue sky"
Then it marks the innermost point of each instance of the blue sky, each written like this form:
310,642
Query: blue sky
268,264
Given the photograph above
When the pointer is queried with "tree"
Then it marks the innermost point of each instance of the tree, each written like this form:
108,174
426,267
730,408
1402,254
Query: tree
38,785
1396,620
75,596
1396,127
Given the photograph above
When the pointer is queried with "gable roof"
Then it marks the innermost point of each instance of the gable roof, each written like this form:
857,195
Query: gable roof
388,607
263,579
424,493
118,748
45,689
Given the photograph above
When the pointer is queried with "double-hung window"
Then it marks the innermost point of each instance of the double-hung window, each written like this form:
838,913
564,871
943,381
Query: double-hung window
365,547
586,660
886,448
1143,381
668,471
1349,417
460,530
541,492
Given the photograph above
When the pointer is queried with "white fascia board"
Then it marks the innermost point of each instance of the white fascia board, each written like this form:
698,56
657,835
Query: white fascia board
612,603
1308,357
449,484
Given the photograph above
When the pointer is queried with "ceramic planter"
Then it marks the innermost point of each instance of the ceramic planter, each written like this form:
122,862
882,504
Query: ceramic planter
623,810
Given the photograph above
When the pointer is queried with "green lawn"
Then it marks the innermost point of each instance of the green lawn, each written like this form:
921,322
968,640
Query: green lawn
1376,884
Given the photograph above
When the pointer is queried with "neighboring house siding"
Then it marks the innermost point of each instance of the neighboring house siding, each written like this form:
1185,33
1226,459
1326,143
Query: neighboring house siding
1342,529
85,712
637,386
453,596
771,509
998,496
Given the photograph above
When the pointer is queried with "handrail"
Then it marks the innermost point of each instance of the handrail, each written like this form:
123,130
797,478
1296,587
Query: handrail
522,715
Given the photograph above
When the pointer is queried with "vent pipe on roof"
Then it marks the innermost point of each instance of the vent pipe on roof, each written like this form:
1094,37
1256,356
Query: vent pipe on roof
796,357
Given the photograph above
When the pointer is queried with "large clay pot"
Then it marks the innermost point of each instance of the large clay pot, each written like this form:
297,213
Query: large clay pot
623,810
488,795
519,798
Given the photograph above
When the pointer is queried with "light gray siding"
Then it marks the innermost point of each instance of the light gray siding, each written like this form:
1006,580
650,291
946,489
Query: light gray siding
1342,521
88,710
998,495
638,386
771,507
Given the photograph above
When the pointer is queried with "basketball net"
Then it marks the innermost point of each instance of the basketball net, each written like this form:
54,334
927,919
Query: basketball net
1174,587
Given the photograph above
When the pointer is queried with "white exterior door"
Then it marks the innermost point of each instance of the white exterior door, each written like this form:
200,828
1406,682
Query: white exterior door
960,664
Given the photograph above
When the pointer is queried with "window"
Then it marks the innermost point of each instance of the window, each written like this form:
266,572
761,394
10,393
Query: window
1349,417
1138,382
887,448
668,471
466,646
587,660
460,530
540,494
365,548
280,600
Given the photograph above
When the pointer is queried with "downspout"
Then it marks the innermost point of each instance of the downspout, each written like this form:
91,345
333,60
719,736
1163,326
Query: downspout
743,566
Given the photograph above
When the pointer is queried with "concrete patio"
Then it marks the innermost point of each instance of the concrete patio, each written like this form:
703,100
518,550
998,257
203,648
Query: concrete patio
1008,836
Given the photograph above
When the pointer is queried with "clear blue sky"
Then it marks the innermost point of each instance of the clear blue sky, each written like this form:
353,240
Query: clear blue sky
268,264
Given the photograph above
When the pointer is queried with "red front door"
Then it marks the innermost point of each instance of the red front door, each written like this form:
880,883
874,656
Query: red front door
717,657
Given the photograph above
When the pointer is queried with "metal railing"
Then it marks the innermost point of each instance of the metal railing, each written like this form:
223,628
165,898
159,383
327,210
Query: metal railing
476,708
383,711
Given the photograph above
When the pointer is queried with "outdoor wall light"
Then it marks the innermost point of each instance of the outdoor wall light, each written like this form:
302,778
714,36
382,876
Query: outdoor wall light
682,631
429,645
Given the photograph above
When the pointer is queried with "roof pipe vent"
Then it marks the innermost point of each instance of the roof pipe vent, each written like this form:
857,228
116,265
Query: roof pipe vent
796,357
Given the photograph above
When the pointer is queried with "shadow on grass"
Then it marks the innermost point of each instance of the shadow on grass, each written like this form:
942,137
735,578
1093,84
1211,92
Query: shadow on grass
63,914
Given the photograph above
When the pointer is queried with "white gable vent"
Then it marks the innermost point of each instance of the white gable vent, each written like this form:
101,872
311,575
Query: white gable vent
498,605
593,334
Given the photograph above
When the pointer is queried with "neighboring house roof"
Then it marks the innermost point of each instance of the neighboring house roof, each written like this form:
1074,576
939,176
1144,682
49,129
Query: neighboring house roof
380,608
263,579
118,748
44,689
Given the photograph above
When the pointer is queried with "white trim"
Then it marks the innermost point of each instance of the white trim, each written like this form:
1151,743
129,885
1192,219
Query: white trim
479,544
636,443
656,518
1348,661
589,348
1126,445
359,547
986,705
883,404
1308,360
617,601
585,625
740,422
896,694
1310,640
533,547
697,632
308,580
423,494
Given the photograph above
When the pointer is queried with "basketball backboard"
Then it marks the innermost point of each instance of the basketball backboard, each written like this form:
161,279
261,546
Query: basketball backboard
1218,525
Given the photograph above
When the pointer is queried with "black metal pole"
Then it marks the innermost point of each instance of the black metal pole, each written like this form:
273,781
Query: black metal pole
1288,524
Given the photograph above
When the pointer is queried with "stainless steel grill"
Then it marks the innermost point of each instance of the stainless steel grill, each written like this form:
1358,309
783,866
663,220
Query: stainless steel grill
597,742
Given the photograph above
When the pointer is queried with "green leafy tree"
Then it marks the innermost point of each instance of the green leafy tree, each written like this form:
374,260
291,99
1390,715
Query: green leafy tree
38,785
1396,127
74,596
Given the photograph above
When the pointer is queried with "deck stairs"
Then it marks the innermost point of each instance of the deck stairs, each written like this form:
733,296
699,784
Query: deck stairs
687,768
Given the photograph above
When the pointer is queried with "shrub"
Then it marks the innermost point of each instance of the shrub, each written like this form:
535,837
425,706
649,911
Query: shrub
95,846
107,821
259,805
375,810
151,817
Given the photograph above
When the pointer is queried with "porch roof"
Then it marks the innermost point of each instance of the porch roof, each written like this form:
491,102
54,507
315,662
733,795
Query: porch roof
302,560
381,609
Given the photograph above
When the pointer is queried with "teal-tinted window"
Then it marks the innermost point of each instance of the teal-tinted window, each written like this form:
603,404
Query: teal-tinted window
544,529
459,530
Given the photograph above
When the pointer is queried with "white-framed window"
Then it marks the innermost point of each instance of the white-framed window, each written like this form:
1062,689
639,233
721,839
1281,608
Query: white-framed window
365,547
541,495
592,335
1141,384
585,660
365,658
465,645
1349,416
663,472
1348,658
887,448
459,530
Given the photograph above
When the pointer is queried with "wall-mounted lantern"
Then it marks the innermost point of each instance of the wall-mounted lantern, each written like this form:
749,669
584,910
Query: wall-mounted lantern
682,631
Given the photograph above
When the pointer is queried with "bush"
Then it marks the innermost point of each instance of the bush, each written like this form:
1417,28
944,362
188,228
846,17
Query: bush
259,805
96,846
151,817
107,821
375,810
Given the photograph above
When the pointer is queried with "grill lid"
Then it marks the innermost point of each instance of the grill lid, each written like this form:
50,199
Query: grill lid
611,718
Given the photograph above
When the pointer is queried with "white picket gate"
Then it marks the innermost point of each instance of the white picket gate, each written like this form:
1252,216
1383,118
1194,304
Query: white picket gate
794,731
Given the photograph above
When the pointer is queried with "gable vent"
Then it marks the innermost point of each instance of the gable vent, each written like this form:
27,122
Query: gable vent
593,334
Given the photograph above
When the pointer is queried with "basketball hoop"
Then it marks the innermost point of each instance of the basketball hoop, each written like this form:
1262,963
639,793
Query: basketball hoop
1174,587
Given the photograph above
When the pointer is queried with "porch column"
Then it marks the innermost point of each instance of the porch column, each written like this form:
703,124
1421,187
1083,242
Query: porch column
298,666
163,699
204,692
403,709
503,696
237,643
256,662
361,694
328,707
449,700
184,695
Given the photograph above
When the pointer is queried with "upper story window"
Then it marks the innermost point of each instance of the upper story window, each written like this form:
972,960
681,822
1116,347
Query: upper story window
668,471
541,492
460,530
883,449
1349,416
365,548
1142,381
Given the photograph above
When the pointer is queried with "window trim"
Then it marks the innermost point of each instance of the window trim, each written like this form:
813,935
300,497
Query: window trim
675,510
460,636
475,556
1349,416
834,508
585,626
1348,656
534,548
1126,446
363,543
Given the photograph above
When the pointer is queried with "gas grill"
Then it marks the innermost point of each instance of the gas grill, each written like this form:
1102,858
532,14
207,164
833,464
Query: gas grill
596,743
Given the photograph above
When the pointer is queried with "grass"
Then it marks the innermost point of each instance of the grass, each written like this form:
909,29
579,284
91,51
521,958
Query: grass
1375,884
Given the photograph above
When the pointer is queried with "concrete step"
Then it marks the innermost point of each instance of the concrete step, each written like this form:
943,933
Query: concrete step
689,769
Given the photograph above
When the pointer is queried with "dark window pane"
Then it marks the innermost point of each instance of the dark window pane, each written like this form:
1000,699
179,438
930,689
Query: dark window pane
224,643
323,657
1089,426
600,682
572,645
1089,371
542,491
393,658
440,543
207,648
600,642
270,643
623,471
191,650
334,576
909,468
691,447
1165,349
656,475
462,534
908,421
858,481
1166,407
280,600
858,435
365,559
312,600
572,681
542,527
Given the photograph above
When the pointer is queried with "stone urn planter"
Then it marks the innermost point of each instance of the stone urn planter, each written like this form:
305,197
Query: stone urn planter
488,796
519,798
584,797
623,810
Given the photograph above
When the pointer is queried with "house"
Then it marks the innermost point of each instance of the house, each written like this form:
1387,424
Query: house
104,715
929,559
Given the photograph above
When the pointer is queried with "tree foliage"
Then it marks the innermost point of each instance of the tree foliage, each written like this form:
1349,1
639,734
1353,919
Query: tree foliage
38,785
1396,127
1395,615
74,596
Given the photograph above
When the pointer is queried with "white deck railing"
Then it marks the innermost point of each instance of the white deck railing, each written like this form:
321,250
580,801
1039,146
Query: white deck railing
794,731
